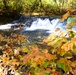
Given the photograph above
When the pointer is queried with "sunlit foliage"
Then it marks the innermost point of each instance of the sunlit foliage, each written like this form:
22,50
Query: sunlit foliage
55,55
36,6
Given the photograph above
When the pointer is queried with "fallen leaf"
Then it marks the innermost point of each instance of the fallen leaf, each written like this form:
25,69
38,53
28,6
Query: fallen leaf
26,58
49,56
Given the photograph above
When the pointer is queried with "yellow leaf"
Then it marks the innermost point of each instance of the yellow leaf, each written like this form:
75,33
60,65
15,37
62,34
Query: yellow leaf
73,64
73,40
68,46
51,37
14,62
65,16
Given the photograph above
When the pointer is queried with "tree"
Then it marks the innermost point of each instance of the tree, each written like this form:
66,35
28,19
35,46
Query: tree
6,7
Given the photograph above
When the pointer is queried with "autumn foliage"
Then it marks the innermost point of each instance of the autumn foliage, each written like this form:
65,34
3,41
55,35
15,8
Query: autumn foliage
55,55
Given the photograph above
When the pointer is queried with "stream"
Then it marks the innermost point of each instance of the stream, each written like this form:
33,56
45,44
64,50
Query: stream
35,27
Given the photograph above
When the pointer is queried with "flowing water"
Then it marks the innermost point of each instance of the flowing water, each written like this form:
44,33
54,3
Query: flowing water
35,27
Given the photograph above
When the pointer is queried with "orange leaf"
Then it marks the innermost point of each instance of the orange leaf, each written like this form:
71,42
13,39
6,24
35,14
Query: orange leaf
38,59
65,16
56,73
73,23
49,56
26,58
15,40
73,11
35,48
21,28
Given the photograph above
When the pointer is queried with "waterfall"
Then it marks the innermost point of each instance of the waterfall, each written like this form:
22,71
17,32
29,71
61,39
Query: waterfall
36,23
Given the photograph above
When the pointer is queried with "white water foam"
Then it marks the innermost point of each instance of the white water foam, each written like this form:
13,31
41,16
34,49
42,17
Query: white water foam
46,24
41,24
6,26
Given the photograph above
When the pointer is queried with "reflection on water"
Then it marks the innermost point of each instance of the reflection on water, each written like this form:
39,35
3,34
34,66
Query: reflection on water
36,35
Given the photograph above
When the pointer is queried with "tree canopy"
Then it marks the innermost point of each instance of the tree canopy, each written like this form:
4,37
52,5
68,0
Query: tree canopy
30,6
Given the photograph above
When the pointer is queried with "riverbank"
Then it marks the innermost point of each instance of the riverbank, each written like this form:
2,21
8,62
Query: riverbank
4,19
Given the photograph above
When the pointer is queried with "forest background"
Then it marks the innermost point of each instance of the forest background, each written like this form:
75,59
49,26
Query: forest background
36,7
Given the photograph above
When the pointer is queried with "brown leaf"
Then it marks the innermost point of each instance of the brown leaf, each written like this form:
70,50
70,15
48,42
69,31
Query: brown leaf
15,40
73,11
56,73
9,41
73,64
21,28
1,37
57,29
73,71
8,47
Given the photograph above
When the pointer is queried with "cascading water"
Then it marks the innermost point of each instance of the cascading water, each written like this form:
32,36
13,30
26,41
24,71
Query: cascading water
36,27
34,23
